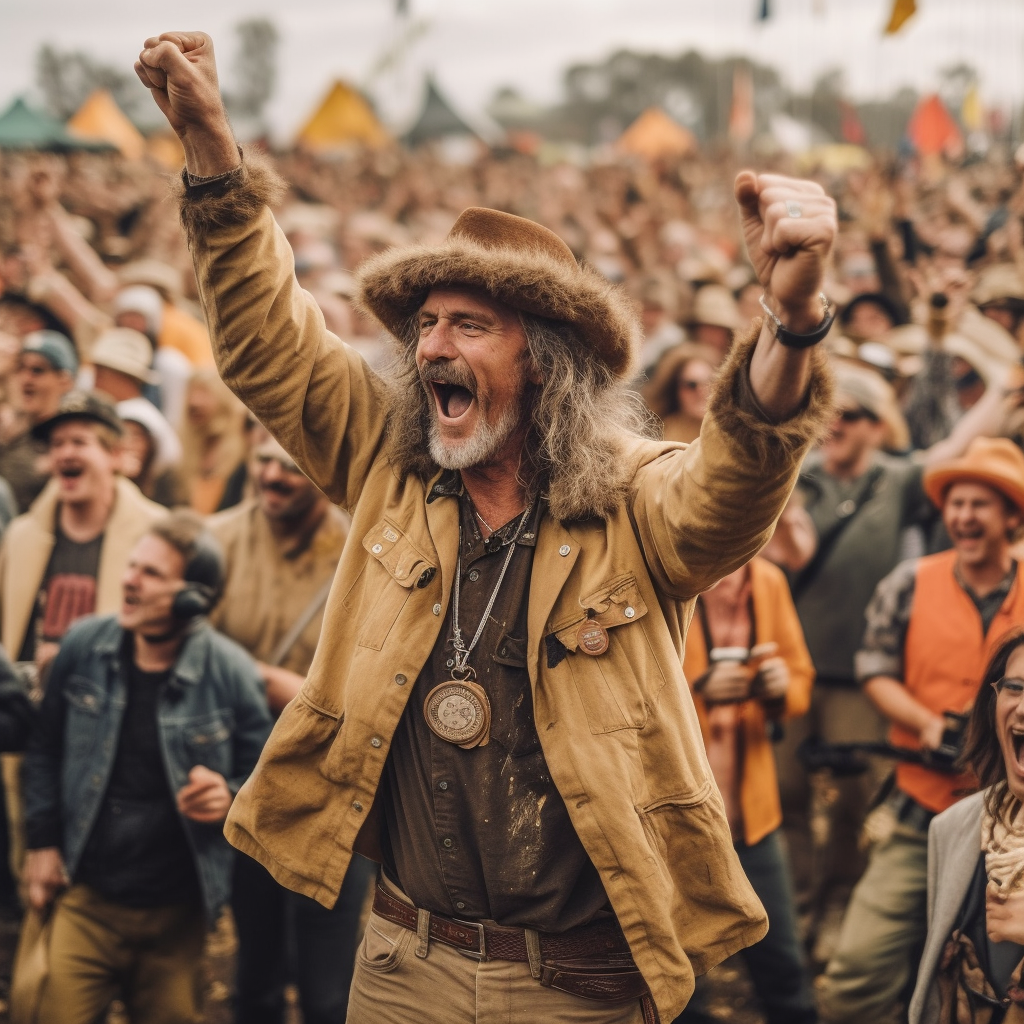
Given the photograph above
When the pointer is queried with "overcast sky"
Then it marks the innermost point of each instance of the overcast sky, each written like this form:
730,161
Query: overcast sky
474,46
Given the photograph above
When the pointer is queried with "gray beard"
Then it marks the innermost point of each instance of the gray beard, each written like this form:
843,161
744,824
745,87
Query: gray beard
478,449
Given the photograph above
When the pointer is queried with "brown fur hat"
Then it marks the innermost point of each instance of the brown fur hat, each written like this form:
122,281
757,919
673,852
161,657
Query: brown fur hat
517,262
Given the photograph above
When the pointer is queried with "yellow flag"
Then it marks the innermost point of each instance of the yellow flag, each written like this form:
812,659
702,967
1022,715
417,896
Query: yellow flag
901,11
971,113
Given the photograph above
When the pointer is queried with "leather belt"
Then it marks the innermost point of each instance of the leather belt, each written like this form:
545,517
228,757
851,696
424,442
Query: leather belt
592,961
909,812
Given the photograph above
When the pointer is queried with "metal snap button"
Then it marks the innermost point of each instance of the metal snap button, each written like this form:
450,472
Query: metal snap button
442,785
377,548
375,742
448,844
629,613
436,609
400,679
356,805
460,905
564,550
473,575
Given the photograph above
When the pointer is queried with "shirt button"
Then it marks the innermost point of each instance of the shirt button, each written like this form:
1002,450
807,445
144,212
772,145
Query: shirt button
629,613
460,905
473,575
377,548
442,785
564,550
436,609
356,805
449,662
400,679
375,742
447,844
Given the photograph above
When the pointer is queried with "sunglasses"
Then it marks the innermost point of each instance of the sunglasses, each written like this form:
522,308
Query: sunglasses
856,415
1011,688
286,465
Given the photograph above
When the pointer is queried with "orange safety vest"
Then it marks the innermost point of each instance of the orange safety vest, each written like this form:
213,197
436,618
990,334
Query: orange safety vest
944,659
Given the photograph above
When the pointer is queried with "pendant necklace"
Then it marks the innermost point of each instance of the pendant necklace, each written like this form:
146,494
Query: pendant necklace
458,710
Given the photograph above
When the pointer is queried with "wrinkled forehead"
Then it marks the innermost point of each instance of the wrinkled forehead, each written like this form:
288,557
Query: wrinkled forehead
450,299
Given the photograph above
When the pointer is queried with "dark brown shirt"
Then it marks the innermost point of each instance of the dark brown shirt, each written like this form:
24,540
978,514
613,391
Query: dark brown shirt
484,833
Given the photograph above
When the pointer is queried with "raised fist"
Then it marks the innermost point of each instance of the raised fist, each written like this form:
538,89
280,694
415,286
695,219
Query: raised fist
789,226
180,71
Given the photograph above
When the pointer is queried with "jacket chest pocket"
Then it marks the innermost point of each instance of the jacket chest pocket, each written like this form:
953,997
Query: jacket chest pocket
396,567
207,741
87,717
619,687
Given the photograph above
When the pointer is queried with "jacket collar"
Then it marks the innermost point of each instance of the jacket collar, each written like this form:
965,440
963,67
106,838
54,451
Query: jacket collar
191,662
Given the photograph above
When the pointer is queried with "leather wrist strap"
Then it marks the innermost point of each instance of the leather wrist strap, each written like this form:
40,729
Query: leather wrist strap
790,338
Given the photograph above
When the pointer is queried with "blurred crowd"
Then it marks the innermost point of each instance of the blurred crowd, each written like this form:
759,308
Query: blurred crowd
101,328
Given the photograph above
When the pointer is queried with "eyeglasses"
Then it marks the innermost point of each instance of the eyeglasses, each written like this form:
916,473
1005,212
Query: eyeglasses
1012,689
856,415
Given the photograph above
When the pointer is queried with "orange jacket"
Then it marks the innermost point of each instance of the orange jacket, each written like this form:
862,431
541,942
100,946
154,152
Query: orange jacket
775,620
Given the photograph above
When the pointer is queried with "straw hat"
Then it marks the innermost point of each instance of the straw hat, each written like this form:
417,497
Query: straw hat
715,305
126,351
870,390
995,461
515,261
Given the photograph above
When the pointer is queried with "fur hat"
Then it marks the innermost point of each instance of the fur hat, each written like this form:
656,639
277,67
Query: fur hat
517,262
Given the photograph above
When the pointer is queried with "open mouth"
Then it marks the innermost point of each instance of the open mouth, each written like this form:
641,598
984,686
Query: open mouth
453,400
71,472
1017,739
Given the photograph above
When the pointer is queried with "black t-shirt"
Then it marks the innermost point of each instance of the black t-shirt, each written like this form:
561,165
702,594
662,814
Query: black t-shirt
138,854
67,592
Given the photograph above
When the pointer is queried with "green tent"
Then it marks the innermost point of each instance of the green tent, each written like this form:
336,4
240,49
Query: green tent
437,119
21,127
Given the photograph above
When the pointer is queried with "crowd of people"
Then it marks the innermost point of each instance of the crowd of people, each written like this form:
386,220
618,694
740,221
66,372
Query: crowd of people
133,483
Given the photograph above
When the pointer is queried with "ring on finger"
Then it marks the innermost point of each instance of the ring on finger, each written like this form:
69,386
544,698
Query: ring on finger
794,209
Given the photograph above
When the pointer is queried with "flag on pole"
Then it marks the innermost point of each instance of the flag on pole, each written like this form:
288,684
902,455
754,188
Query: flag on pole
741,114
901,11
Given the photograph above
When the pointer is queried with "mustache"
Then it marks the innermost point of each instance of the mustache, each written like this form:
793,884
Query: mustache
447,373
277,487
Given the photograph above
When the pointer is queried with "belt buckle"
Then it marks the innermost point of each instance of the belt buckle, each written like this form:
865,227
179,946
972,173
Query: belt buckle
469,953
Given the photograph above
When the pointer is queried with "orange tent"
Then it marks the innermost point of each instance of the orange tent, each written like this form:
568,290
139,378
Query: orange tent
344,118
654,134
99,117
932,130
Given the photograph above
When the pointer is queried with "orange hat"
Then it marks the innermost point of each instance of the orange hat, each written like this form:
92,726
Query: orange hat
995,461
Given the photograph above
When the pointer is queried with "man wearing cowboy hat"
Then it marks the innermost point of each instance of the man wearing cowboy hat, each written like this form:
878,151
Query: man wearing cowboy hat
932,625
496,709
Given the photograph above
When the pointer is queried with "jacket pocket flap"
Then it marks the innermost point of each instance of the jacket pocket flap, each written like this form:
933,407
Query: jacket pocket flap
616,603
85,695
204,732
404,562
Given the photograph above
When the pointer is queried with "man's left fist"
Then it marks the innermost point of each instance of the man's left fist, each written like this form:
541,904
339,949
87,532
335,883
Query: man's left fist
789,226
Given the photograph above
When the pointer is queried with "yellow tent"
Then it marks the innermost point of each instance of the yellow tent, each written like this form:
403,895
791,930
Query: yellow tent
343,118
654,134
99,117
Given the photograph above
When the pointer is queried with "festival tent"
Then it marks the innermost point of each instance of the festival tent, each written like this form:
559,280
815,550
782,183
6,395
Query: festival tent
437,120
932,130
100,118
654,135
21,127
344,118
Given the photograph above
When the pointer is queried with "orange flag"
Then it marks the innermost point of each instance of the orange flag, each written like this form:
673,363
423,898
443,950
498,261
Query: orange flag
901,11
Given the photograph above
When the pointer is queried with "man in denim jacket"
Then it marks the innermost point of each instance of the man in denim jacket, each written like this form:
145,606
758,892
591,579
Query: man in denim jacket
150,723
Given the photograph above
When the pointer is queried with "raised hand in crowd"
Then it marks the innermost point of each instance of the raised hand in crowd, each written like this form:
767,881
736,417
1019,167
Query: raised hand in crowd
206,797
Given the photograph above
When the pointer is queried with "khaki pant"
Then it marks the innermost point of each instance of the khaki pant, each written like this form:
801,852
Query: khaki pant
868,977
393,983
822,818
100,950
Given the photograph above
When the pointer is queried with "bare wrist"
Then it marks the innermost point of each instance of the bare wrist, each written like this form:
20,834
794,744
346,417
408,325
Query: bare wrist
210,152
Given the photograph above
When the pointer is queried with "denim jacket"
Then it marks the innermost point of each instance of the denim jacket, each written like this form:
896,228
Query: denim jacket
212,712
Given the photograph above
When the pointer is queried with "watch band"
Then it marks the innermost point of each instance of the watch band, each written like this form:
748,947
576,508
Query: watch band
790,338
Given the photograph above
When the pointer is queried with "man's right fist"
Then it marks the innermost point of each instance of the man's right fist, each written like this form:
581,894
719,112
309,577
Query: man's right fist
180,71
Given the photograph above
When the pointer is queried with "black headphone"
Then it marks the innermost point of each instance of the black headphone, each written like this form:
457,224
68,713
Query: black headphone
204,579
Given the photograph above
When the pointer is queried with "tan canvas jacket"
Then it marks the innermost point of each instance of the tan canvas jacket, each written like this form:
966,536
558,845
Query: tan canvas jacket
29,540
619,731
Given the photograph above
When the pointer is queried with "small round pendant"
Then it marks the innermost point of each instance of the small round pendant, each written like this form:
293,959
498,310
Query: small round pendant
458,711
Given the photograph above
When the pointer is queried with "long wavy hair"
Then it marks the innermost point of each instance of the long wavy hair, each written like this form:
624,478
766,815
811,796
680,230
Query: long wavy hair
581,420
